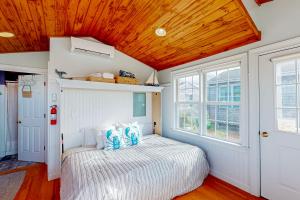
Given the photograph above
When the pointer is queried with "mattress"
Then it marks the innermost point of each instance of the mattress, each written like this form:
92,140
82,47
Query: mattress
159,168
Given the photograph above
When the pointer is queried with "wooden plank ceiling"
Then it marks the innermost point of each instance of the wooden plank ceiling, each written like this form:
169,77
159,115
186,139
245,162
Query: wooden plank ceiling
195,28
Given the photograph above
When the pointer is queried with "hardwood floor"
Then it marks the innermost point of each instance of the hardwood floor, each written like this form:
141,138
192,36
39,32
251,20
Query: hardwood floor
37,187
216,189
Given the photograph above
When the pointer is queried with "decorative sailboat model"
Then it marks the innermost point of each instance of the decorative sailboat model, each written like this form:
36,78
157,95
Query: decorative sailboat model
152,80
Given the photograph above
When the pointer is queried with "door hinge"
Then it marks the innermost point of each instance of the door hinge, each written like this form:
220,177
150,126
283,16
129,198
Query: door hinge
44,148
45,116
44,83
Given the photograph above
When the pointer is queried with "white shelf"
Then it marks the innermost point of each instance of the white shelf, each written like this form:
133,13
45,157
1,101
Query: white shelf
75,84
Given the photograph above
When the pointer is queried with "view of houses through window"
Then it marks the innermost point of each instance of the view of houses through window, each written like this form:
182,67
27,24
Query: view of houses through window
188,103
220,114
223,104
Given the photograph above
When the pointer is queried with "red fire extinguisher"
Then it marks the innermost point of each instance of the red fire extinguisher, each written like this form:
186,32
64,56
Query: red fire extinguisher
53,115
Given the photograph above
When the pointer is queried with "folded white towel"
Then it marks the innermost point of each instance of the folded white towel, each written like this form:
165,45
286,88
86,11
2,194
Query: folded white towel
99,75
108,75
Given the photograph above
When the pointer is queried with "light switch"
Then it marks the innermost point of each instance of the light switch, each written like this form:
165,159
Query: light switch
54,97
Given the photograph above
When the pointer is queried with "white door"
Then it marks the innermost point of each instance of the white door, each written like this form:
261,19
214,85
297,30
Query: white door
279,78
31,118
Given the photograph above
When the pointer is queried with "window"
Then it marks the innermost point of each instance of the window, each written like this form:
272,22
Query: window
187,103
222,104
210,100
139,104
287,95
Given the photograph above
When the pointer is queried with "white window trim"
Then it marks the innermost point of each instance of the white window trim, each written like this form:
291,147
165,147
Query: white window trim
212,66
276,61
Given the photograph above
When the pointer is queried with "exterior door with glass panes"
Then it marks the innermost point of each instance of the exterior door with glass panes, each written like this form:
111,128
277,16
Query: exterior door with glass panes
279,79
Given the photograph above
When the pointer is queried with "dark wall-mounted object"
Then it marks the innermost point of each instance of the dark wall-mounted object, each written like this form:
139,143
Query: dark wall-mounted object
9,76
2,77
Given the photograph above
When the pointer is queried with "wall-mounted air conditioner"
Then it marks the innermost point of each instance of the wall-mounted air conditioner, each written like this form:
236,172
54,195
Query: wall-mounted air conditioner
93,48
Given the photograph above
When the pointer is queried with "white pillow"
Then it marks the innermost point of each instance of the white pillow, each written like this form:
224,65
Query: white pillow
89,137
100,140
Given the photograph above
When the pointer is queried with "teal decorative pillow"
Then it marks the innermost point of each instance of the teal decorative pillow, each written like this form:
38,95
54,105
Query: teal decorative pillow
113,139
132,134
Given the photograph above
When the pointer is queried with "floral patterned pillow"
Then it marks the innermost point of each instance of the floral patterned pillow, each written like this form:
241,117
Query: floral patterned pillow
113,139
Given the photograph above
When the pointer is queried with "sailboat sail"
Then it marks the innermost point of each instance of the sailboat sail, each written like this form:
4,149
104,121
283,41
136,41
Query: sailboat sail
152,80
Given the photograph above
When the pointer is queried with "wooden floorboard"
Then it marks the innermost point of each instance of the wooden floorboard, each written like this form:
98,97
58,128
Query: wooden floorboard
37,187
215,189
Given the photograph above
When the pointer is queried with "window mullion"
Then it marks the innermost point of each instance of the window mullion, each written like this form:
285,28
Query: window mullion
297,114
227,106
217,100
200,132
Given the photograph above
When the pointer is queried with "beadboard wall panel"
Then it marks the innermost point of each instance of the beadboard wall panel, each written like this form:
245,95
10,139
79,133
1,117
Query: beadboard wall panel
85,109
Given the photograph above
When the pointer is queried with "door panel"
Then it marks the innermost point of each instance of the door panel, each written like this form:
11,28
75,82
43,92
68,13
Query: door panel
279,117
31,128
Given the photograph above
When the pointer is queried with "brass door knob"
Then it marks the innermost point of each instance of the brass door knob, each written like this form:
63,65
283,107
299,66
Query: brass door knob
264,134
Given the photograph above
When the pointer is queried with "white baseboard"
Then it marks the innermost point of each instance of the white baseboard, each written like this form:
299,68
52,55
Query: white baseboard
11,153
242,186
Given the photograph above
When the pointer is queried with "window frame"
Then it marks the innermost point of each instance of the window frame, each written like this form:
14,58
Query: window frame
176,97
201,69
276,61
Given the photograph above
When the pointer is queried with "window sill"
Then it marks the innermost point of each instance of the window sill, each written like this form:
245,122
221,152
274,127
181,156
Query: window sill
221,141
215,141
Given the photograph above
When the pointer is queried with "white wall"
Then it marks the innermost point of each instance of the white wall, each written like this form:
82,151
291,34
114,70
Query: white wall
85,109
12,118
27,59
278,21
79,65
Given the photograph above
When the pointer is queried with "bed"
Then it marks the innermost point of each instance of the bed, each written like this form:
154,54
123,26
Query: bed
159,168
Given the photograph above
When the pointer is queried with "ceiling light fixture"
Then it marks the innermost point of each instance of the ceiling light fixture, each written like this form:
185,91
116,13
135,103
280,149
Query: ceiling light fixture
161,32
6,34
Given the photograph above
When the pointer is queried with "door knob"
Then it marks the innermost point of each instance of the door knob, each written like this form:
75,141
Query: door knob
264,134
